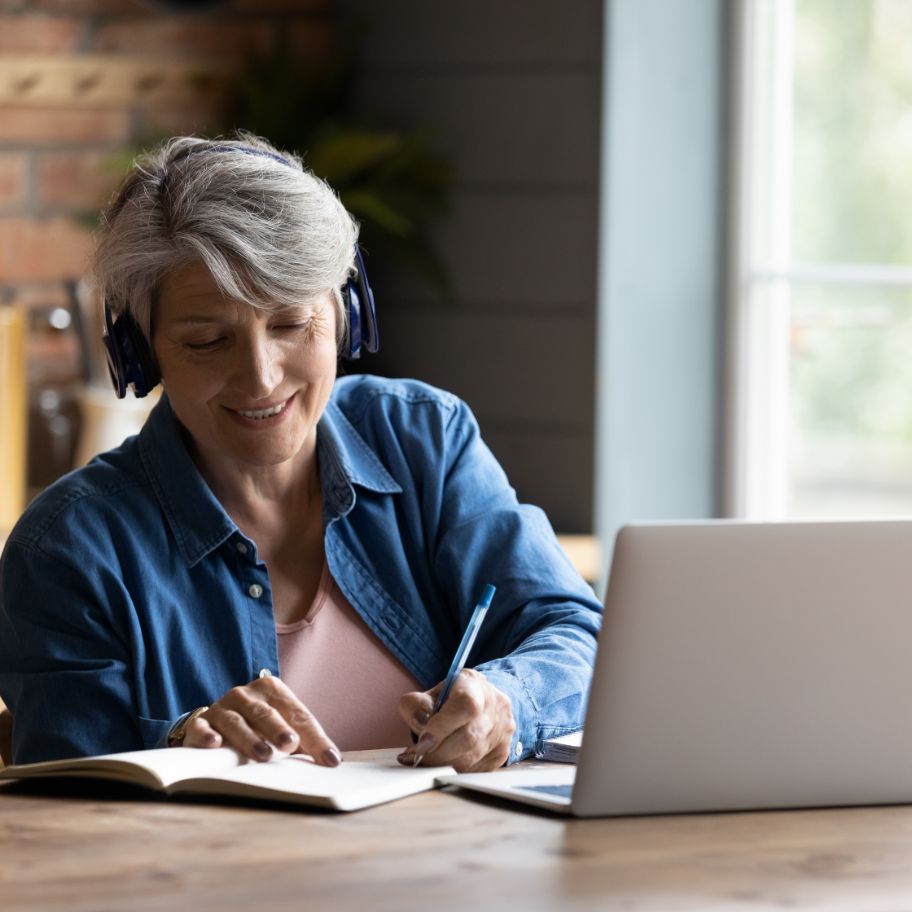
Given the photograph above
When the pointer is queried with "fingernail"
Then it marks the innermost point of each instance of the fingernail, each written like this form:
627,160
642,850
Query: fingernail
262,751
331,757
426,744
285,739
210,739
421,718
406,758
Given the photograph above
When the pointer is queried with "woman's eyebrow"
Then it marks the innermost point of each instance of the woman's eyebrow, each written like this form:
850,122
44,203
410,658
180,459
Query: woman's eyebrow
302,313
191,318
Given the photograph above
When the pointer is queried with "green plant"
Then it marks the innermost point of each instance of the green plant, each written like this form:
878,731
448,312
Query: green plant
390,179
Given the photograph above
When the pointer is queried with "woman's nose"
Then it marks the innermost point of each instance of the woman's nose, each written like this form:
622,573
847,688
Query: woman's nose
258,371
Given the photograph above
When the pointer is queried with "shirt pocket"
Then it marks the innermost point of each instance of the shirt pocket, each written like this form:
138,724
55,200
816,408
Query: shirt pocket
154,731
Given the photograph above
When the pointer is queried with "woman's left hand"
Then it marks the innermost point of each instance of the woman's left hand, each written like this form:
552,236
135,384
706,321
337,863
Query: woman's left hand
472,732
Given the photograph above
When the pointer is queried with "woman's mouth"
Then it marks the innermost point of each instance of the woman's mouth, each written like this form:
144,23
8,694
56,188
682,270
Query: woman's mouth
258,414
263,417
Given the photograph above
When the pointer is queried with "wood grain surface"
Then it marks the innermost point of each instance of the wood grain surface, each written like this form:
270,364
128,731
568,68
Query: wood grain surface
80,846
104,80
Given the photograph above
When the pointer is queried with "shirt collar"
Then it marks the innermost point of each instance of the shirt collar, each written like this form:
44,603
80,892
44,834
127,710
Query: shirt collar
345,461
197,519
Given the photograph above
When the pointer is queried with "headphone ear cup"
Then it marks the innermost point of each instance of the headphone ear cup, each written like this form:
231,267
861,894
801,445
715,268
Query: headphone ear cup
130,360
358,302
367,308
146,375
352,306
114,354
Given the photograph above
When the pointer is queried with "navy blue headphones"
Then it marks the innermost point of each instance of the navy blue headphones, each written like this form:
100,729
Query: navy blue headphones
132,364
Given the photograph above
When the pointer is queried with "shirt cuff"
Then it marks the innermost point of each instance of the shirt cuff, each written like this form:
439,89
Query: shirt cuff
524,714
163,740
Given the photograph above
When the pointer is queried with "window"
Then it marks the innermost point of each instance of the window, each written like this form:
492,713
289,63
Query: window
820,417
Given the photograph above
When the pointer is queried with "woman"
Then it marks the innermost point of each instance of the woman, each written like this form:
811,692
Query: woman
280,558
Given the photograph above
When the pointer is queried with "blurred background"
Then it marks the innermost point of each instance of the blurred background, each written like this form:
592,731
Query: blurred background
466,143
662,248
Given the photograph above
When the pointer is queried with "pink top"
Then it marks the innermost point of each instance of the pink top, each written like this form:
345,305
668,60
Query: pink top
339,669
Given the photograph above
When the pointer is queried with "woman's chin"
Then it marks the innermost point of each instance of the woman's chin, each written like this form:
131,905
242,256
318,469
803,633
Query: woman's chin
263,457
262,452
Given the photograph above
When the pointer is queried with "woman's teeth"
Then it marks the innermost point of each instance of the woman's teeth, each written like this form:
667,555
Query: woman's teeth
264,413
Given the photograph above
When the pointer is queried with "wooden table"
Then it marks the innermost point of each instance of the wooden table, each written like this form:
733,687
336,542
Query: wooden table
73,849
585,553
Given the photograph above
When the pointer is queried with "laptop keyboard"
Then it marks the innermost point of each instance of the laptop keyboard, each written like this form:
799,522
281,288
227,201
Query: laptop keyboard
563,791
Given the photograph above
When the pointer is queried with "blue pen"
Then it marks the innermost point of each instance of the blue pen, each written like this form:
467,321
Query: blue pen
462,653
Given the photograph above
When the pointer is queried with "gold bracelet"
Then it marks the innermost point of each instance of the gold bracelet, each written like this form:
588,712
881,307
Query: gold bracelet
179,731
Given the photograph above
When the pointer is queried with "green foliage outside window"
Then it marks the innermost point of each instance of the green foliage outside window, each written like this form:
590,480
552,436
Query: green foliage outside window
852,204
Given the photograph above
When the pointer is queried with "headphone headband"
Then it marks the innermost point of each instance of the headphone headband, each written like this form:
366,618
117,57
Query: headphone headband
130,359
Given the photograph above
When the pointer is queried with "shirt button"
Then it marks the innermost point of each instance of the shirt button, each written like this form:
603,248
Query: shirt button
264,673
517,751
242,548
255,591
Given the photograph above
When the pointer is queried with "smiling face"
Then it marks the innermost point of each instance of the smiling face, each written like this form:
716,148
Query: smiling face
249,386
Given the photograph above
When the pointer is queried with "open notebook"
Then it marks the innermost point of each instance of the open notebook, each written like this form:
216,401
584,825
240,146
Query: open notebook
364,778
562,749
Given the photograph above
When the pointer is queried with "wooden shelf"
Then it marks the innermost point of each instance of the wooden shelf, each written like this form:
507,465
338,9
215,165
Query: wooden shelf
106,80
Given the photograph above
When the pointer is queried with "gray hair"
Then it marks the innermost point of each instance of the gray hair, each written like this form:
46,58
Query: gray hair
270,233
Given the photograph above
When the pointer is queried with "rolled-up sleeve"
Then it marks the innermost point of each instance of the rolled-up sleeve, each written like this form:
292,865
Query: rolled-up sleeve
538,642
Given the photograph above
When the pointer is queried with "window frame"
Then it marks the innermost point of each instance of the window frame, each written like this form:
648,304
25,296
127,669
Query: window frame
756,442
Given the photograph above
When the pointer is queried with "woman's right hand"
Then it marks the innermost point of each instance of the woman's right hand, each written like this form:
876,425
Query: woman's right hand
254,716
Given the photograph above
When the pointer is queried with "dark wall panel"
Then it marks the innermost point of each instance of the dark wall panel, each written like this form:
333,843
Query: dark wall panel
520,127
520,251
508,367
539,464
479,33
510,90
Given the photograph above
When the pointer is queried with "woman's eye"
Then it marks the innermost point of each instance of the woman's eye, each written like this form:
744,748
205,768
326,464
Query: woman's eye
291,327
208,345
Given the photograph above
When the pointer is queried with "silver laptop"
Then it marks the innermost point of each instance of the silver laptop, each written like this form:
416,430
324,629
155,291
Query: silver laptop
743,665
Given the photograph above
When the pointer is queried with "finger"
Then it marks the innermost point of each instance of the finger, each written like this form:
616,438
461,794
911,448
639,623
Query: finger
257,706
311,738
498,708
465,703
488,730
464,748
236,732
200,733
482,745
416,709
493,760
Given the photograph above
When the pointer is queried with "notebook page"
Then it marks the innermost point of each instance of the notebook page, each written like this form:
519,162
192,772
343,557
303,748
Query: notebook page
152,768
363,778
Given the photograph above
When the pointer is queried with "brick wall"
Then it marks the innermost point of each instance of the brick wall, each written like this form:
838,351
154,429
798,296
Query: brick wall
81,82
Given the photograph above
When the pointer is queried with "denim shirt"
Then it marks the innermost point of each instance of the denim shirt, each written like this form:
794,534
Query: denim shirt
128,596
